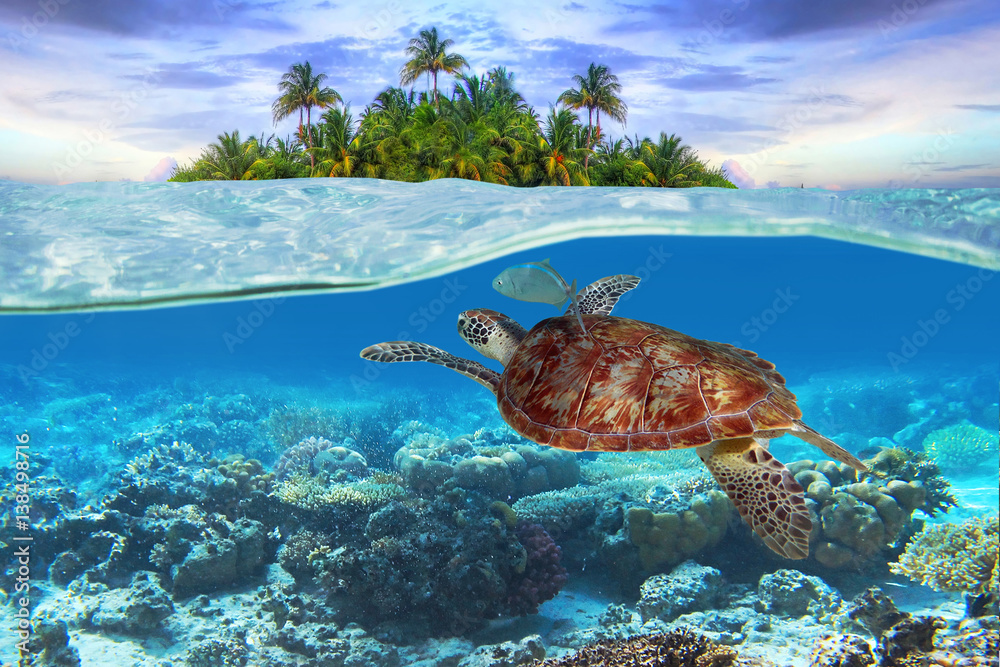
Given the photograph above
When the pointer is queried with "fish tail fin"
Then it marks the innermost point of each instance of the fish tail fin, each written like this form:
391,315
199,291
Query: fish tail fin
570,296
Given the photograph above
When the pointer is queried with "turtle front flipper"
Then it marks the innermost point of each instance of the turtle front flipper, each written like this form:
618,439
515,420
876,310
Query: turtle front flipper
764,491
404,350
600,297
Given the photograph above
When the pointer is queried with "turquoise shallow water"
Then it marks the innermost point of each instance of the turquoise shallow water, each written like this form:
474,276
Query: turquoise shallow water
879,308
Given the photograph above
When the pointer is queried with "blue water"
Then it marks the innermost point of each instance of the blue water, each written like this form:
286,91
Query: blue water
838,319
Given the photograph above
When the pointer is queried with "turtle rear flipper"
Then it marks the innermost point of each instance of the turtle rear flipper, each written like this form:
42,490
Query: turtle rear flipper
829,447
405,350
600,297
764,491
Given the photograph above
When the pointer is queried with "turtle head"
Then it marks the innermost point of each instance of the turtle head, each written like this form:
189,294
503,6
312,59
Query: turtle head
493,334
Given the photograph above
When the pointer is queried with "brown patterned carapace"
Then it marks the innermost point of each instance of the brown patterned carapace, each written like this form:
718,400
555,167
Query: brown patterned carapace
632,385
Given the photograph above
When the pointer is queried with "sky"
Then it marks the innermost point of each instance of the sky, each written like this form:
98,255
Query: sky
841,94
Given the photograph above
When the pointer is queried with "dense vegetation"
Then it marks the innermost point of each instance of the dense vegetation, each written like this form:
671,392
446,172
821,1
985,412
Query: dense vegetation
483,131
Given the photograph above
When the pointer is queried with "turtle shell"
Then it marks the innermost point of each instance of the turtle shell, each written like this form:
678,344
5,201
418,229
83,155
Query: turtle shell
635,386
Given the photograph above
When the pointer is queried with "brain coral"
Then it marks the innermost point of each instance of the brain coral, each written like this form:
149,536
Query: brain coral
312,456
954,557
856,522
962,447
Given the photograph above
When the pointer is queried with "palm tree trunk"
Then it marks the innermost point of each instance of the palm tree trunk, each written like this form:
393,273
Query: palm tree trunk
590,127
437,105
301,137
312,157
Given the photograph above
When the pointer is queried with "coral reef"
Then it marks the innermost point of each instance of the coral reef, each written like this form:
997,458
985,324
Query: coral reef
317,494
688,587
668,537
681,648
856,522
49,644
542,575
312,456
908,642
962,448
420,572
248,474
906,465
952,557
136,610
504,471
842,651
874,611
201,552
792,593
507,654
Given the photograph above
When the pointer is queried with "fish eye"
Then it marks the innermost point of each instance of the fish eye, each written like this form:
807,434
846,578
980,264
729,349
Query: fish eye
499,282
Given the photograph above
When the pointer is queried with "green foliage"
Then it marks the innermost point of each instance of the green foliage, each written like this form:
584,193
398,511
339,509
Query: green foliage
483,131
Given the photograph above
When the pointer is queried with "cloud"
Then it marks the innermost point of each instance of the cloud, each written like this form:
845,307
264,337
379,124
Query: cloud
963,167
992,108
161,171
164,19
763,20
717,81
187,76
738,175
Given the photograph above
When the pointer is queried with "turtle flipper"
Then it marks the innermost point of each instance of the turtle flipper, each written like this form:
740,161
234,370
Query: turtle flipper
405,350
764,491
600,297
829,447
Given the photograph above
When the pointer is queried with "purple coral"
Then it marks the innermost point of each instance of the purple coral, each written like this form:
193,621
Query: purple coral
314,455
543,575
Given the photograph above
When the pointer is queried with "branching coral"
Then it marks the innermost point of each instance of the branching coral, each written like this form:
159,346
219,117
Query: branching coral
680,648
962,447
315,494
954,557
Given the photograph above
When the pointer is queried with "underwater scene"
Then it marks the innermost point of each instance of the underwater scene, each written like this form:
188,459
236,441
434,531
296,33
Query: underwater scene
205,471
659,333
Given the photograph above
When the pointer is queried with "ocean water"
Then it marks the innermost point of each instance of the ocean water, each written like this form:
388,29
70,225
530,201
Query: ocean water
148,332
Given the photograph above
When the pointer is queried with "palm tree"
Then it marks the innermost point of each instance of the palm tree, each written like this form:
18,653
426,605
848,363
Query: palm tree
558,154
302,89
596,91
230,158
669,163
428,55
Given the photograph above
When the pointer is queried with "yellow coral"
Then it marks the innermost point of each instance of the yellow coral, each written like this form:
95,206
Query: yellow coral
954,557
313,493
962,447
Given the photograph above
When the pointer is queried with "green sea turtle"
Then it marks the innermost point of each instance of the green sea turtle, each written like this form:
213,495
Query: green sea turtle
627,385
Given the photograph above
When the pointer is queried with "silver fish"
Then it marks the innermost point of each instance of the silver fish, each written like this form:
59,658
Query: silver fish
537,282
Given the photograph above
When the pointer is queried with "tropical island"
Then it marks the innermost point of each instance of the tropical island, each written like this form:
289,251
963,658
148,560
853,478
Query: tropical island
483,131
